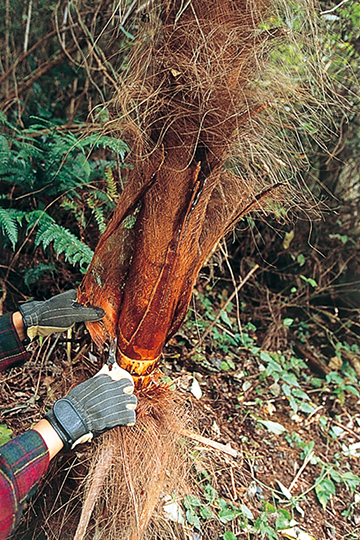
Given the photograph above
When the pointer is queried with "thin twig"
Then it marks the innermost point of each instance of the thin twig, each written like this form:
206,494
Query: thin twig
226,448
3,296
214,322
27,29
24,55
225,252
306,461
7,41
233,484
127,14
345,428
34,77
334,8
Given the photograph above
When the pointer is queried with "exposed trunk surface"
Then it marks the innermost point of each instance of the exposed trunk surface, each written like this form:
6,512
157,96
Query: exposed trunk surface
191,93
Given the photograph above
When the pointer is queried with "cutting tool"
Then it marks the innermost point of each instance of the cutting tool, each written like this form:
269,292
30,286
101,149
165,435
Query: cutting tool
111,361
113,369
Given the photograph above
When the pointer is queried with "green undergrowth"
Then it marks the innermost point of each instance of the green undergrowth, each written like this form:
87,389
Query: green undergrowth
58,189
282,397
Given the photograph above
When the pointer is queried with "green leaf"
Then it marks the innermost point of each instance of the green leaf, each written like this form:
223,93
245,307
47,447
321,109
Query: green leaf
222,504
9,225
206,513
290,378
5,434
193,519
225,317
306,408
301,259
293,404
351,480
351,389
246,511
287,321
191,502
265,357
226,515
224,366
307,449
310,281
324,490
210,493
286,389
300,394
282,522
274,427
229,535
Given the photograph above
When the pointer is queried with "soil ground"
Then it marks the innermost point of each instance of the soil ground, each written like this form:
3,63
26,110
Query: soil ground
269,489
228,414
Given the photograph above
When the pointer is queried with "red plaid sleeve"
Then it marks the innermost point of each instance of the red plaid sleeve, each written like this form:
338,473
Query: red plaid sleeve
23,461
12,351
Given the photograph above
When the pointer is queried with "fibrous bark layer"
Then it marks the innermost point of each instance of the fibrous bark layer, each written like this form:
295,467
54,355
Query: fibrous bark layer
189,99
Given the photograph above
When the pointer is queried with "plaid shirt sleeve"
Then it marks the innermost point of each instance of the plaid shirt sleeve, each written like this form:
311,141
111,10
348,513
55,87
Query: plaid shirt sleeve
12,351
23,461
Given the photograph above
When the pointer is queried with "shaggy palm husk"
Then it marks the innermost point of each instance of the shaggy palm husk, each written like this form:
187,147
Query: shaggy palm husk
188,101
138,466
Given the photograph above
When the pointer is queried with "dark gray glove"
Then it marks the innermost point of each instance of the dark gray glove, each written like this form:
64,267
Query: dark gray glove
93,407
56,314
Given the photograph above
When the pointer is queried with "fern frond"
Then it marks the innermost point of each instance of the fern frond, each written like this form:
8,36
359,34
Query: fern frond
63,240
98,214
9,225
69,204
32,275
4,122
75,251
99,218
27,150
111,189
46,234
103,141
4,145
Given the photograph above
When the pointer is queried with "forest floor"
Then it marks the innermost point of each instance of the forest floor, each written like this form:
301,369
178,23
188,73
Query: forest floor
274,374
288,461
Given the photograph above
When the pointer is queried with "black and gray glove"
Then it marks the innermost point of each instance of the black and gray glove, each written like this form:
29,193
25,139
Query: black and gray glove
57,314
95,406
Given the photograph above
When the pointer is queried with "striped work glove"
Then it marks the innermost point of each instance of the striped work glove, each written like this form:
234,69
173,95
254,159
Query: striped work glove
95,406
56,314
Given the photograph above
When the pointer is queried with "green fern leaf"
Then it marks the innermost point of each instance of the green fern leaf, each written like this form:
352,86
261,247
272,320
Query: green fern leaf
99,218
46,234
64,241
9,225
4,122
102,141
32,275
111,190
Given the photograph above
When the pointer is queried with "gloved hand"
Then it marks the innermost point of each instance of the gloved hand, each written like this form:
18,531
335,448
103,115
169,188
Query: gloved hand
56,314
95,406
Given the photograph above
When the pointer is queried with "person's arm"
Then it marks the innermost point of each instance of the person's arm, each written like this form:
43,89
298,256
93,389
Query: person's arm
23,461
12,350
40,319
91,408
